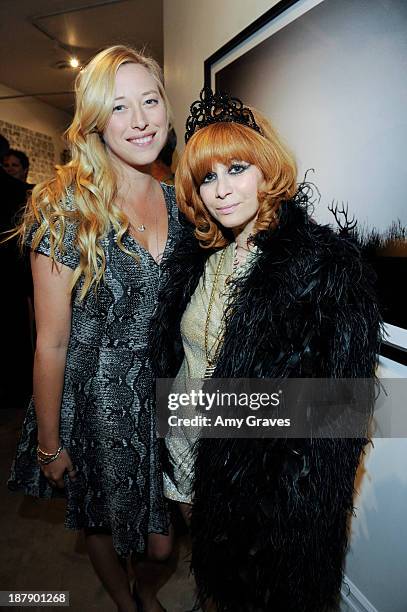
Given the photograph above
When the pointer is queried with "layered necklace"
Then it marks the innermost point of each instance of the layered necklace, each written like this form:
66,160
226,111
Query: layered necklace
212,353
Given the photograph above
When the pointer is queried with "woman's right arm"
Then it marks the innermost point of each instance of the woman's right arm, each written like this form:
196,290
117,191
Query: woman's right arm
52,304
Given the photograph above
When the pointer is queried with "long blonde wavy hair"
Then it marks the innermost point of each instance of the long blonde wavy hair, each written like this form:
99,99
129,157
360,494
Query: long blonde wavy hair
224,143
89,173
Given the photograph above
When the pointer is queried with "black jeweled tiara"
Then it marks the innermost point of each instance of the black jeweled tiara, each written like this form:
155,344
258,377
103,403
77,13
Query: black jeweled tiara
217,108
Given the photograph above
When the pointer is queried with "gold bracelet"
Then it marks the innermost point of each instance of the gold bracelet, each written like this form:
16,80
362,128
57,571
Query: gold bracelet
46,458
43,452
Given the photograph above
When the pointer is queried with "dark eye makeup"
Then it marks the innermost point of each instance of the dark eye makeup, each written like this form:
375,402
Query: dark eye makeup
233,168
238,167
208,178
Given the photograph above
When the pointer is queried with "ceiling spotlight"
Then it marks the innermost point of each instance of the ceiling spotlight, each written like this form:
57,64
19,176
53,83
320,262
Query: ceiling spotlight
74,62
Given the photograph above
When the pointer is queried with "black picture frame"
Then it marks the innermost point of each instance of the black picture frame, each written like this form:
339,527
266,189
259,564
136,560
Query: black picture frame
277,10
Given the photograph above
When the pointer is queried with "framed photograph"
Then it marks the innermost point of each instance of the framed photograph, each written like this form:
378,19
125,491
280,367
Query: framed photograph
328,73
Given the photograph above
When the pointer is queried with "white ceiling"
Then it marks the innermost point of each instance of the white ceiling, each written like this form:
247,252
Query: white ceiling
38,35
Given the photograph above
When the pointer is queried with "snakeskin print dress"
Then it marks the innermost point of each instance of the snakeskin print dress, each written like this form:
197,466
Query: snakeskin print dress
107,420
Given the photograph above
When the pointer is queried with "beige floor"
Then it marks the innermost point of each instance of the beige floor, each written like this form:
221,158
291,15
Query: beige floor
37,552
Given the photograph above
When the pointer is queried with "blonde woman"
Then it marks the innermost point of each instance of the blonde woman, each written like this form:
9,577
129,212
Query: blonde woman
98,232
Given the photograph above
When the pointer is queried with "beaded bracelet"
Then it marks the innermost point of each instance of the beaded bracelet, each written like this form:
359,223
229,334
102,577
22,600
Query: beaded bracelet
44,458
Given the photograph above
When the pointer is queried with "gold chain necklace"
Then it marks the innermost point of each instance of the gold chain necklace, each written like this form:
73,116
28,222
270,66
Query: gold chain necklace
211,361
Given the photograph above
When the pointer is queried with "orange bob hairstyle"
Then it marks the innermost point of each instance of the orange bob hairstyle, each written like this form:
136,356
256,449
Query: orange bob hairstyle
224,143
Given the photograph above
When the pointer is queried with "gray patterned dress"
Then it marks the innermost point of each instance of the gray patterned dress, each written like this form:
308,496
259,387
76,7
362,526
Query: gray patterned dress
107,421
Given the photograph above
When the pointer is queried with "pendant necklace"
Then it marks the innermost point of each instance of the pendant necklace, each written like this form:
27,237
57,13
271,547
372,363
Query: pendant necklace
142,228
139,228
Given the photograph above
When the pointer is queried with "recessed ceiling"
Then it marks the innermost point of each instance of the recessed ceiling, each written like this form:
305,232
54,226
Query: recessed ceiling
37,37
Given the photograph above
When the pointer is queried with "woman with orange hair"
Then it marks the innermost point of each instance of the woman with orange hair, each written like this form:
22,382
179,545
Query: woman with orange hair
257,289
98,232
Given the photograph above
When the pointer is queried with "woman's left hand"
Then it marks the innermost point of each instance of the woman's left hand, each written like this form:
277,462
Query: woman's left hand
54,471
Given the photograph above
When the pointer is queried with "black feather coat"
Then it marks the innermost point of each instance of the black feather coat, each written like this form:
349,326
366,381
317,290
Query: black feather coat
269,520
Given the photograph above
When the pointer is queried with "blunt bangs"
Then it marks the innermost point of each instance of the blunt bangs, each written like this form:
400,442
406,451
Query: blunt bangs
220,143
